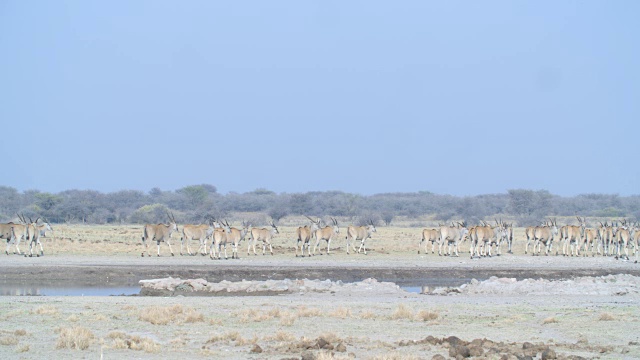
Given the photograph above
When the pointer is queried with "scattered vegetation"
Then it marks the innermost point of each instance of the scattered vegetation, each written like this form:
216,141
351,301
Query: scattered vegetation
605,316
426,315
162,315
549,320
402,312
45,310
121,340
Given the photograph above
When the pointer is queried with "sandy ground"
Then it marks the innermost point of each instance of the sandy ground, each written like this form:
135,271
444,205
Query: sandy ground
369,325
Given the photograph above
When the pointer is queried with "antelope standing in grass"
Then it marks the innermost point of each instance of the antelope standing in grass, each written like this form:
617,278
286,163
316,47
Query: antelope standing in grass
635,235
528,232
544,235
159,233
14,233
508,236
197,232
33,233
483,237
234,237
591,239
452,235
362,233
265,235
326,233
622,239
432,235
607,234
305,233
571,235
225,235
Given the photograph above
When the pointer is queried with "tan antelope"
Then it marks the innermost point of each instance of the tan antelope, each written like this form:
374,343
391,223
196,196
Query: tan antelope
483,237
452,235
326,233
544,235
305,233
622,239
607,234
635,235
33,234
200,232
528,232
432,235
264,235
571,236
159,233
591,239
14,233
508,236
235,236
362,233
221,237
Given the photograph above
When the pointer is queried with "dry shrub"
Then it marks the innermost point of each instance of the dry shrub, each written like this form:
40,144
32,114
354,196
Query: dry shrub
274,312
45,310
229,336
341,313
304,311
215,322
73,318
549,320
402,312
367,314
605,316
76,337
101,317
8,340
123,341
327,355
287,319
143,344
283,336
129,307
22,348
252,315
20,332
330,337
426,315
192,315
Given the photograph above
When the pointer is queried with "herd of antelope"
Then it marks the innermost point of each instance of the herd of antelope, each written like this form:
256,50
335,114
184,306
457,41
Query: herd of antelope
217,234
609,238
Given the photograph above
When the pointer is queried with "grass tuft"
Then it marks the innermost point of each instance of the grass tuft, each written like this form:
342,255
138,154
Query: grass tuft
549,320
402,312
76,337
605,316
426,315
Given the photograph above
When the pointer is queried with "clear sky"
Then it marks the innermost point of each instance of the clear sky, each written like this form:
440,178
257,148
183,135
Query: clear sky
453,97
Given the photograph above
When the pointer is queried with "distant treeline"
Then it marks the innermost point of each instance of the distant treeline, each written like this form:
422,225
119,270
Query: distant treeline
193,203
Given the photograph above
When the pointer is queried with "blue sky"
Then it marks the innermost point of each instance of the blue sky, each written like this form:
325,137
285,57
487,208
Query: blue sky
452,97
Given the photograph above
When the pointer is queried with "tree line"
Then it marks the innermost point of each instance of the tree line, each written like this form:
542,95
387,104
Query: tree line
193,203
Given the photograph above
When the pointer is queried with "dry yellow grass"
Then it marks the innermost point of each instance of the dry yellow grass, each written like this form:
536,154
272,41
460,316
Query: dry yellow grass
45,310
341,313
549,320
8,340
605,316
22,348
402,312
368,314
426,315
20,332
76,337
162,315
304,311
73,318
288,319
121,340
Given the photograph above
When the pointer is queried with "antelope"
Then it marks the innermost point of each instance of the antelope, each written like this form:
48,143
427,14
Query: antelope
622,239
607,234
635,234
590,238
264,235
326,233
544,235
33,232
159,233
572,236
528,232
44,227
13,233
432,235
220,238
452,235
484,237
508,236
362,233
197,232
304,234
234,236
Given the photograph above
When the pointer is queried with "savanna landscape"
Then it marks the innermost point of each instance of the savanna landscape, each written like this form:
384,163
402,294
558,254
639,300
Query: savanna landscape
587,308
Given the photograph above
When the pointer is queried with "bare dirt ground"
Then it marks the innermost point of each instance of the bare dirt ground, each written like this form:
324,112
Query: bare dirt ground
370,324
